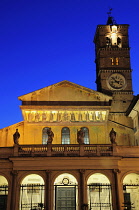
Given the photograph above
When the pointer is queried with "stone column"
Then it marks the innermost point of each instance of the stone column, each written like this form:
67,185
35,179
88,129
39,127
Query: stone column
83,191
48,191
14,201
118,189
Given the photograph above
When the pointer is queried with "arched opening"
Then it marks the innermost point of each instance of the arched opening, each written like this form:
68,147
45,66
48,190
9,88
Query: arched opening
32,193
86,135
66,193
99,192
44,135
131,191
3,192
65,135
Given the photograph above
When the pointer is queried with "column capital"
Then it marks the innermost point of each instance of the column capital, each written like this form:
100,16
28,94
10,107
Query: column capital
48,171
116,171
82,171
14,172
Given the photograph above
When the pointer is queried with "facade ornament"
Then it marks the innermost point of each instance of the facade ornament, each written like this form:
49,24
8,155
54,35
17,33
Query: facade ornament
43,116
16,136
50,135
80,136
72,117
112,136
37,117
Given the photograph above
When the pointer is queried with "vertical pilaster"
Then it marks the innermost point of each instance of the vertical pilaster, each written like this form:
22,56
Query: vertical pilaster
118,189
48,201
14,190
82,190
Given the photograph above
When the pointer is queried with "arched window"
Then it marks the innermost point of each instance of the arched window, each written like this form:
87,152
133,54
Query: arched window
65,135
66,192
86,136
44,135
32,192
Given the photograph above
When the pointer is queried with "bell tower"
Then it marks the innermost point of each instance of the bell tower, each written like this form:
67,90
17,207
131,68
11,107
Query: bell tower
113,70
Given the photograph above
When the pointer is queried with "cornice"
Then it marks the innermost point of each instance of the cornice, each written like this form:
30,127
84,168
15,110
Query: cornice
115,70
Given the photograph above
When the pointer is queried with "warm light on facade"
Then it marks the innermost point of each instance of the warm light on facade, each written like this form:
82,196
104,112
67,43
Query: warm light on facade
63,116
114,35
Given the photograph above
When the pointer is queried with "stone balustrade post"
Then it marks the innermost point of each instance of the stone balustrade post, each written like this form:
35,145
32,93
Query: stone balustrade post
65,150
16,146
114,147
81,149
49,149
98,150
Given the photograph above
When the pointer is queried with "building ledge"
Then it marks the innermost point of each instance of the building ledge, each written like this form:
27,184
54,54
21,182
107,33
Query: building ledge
69,150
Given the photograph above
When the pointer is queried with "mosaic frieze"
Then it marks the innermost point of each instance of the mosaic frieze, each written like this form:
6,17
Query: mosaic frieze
64,116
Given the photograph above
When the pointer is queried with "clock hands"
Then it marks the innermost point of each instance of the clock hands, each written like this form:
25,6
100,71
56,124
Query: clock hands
116,81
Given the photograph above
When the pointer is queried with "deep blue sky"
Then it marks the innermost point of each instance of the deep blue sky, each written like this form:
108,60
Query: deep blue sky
43,42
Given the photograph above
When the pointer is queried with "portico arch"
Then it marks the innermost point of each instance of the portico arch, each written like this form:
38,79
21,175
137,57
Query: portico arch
32,192
131,191
99,192
3,192
66,192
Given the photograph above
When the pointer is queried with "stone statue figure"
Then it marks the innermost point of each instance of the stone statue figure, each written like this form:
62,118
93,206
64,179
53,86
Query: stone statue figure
50,135
80,136
112,136
16,136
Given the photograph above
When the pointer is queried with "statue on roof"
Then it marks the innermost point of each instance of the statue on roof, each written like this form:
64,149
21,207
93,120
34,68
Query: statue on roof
112,135
80,136
111,20
16,136
50,135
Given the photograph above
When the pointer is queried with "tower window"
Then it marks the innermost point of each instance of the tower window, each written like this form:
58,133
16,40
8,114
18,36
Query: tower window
65,135
108,41
119,42
114,61
117,61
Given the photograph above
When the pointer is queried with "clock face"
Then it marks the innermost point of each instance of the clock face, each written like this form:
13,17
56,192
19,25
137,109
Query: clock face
65,181
116,81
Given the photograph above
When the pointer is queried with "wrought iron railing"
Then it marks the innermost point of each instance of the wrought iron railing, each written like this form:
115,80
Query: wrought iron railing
32,196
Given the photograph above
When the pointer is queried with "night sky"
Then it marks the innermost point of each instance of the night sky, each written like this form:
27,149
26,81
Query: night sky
43,42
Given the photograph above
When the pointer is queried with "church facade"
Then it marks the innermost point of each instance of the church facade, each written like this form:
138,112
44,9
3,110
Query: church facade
77,148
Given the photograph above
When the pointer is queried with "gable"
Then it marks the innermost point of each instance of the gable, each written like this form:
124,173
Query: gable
65,91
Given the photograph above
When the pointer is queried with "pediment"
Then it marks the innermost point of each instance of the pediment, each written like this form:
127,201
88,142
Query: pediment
65,91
